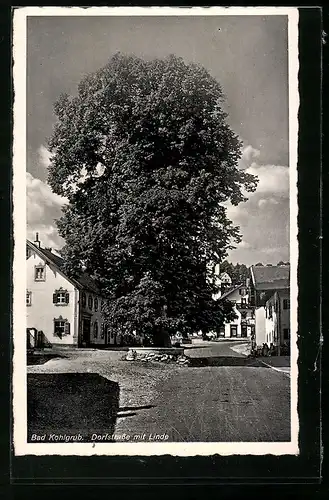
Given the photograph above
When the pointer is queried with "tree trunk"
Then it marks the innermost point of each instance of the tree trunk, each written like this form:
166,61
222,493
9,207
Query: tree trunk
161,338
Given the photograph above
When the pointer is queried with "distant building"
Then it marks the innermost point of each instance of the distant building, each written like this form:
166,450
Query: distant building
226,282
244,324
267,281
67,310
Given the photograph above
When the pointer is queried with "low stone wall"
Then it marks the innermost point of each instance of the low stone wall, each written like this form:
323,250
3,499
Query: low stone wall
159,354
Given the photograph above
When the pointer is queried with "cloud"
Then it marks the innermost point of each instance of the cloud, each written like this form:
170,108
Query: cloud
248,155
270,201
272,179
264,218
244,244
44,156
43,208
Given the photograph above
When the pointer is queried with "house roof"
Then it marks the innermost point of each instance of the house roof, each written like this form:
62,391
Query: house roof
232,289
82,280
270,277
278,294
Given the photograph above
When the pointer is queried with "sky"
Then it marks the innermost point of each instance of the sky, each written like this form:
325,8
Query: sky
248,55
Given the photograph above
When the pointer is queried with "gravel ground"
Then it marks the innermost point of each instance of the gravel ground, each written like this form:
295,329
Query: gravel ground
138,381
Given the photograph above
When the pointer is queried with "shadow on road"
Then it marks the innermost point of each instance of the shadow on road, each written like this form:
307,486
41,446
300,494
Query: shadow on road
224,361
128,408
40,358
70,404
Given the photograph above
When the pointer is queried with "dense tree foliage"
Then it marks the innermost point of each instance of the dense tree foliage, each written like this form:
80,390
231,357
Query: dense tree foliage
146,160
237,272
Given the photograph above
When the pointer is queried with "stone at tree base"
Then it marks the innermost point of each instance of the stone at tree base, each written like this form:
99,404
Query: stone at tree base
131,355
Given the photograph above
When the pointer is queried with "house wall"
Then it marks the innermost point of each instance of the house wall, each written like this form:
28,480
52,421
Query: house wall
42,312
235,297
280,318
94,315
270,329
285,315
260,326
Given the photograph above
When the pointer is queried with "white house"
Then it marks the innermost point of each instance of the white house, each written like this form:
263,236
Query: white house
277,319
67,311
225,279
268,282
243,325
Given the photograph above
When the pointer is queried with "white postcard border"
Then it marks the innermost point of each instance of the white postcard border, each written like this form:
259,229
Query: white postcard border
21,447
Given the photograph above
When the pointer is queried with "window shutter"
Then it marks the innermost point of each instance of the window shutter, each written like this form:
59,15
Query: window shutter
54,298
67,298
67,328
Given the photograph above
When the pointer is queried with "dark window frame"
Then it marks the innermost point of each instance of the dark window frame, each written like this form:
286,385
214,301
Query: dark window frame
40,267
286,304
59,293
286,333
65,328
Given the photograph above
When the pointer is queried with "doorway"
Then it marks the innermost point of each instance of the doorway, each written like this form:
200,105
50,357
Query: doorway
86,326
243,330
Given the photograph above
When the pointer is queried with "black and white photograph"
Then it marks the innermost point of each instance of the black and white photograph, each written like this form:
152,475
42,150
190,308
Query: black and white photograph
155,227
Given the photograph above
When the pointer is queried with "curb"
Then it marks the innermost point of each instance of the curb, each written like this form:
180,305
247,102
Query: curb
275,368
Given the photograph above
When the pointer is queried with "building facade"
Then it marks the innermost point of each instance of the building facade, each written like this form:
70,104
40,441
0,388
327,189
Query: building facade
244,324
277,319
269,287
67,311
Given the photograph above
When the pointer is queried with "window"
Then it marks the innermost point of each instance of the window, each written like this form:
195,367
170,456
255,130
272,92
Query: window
61,297
234,331
243,301
28,298
242,291
40,273
61,327
244,314
95,330
90,302
222,331
96,304
83,299
286,304
270,311
103,331
286,334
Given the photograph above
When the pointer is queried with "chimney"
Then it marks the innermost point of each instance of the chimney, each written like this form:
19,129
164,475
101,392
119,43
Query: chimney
37,242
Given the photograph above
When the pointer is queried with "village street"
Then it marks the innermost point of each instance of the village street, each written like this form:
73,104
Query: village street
222,396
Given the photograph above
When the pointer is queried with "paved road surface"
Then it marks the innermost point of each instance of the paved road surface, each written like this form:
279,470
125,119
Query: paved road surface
223,396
